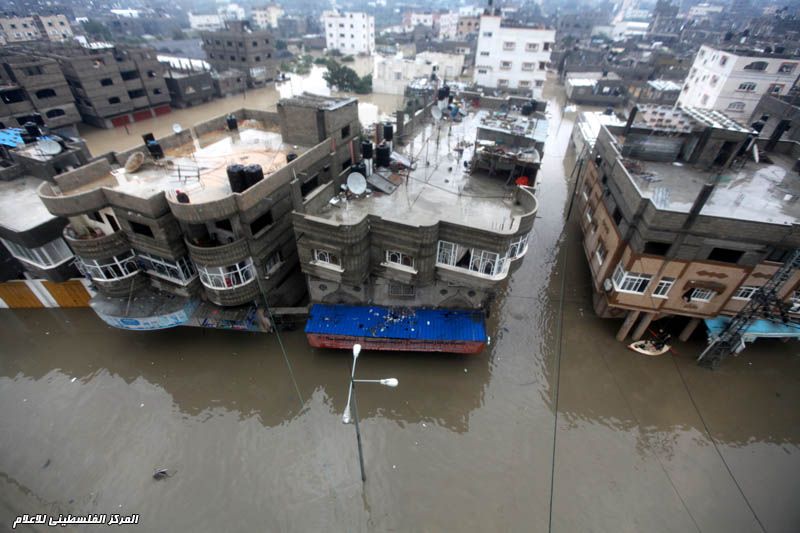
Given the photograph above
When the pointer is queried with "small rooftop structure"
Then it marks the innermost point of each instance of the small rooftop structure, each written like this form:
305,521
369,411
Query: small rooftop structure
20,207
664,85
315,101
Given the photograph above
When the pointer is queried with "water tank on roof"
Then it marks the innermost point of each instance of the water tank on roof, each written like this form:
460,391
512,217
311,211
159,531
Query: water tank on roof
252,175
527,109
236,178
232,123
156,152
383,155
291,157
32,129
366,149
388,131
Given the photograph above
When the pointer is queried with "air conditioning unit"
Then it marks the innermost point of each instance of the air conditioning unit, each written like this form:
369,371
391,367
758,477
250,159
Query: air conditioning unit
607,285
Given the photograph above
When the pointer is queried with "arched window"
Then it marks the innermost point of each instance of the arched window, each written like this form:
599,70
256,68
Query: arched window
45,93
757,65
53,113
736,106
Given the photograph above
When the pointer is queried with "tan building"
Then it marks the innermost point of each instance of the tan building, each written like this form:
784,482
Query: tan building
54,27
19,29
679,221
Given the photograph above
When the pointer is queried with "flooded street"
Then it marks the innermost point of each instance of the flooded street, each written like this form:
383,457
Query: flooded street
555,427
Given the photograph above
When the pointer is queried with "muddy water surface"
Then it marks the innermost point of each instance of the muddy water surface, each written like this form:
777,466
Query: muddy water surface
556,426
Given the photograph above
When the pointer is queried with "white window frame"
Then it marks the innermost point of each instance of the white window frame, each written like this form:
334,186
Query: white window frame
115,268
273,262
327,257
399,258
480,260
701,295
747,86
630,282
600,253
531,47
663,287
518,247
509,46
745,292
228,277
181,271
50,255
506,65
589,214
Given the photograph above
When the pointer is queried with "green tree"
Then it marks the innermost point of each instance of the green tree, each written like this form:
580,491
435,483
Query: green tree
346,79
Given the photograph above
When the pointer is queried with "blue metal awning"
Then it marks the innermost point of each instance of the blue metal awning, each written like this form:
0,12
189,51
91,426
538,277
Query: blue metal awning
374,321
757,329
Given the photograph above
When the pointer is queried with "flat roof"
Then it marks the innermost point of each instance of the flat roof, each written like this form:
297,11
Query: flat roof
317,101
199,168
21,209
760,192
533,127
439,190
664,85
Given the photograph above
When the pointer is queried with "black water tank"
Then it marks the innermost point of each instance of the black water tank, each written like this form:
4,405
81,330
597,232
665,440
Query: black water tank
232,123
182,197
38,119
361,168
383,155
446,91
32,129
291,157
156,152
388,131
147,137
527,109
252,175
366,149
236,178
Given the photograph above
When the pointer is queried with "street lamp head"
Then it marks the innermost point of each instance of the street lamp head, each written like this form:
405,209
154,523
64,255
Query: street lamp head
356,350
346,418
390,382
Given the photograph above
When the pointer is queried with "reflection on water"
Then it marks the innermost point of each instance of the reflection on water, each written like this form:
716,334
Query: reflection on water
464,443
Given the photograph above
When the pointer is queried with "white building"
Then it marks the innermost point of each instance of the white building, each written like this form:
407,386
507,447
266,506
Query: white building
267,17
126,13
734,81
512,57
412,19
704,11
350,33
205,22
628,28
232,12
392,74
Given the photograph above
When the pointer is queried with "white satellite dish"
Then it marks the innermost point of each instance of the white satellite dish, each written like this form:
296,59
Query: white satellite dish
356,183
436,112
177,128
48,147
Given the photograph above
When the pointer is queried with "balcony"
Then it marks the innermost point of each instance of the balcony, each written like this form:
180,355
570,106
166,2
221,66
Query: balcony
96,245
214,254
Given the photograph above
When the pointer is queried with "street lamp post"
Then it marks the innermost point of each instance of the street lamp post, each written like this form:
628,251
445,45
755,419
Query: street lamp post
351,396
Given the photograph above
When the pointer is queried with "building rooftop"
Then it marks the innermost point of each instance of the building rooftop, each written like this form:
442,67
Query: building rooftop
315,101
532,127
199,168
438,188
20,206
762,192
664,85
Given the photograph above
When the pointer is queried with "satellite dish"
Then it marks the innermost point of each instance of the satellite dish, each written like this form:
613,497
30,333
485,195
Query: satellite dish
356,183
49,147
134,162
177,128
436,112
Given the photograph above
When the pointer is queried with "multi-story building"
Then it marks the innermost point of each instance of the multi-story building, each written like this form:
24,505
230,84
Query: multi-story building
778,118
679,221
160,228
267,16
34,90
412,19
28,232
350,33
112,85
446,25
467,26
511,56
734,80
209,22
19,29
452,249
242,48
188,87
54,27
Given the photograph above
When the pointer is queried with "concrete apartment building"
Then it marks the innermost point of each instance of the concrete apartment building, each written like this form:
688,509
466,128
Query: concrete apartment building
348,32
176,233
679,221
512,57
28,232
779,119
189,88
112,85
33,89
240,47
448,250
54,28
468,26
206,22
48,27
734,80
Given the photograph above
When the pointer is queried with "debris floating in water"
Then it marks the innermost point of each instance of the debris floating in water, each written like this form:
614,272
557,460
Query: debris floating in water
161,473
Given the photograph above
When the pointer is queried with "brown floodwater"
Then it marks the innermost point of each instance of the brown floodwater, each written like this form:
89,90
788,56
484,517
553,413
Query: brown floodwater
554,427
